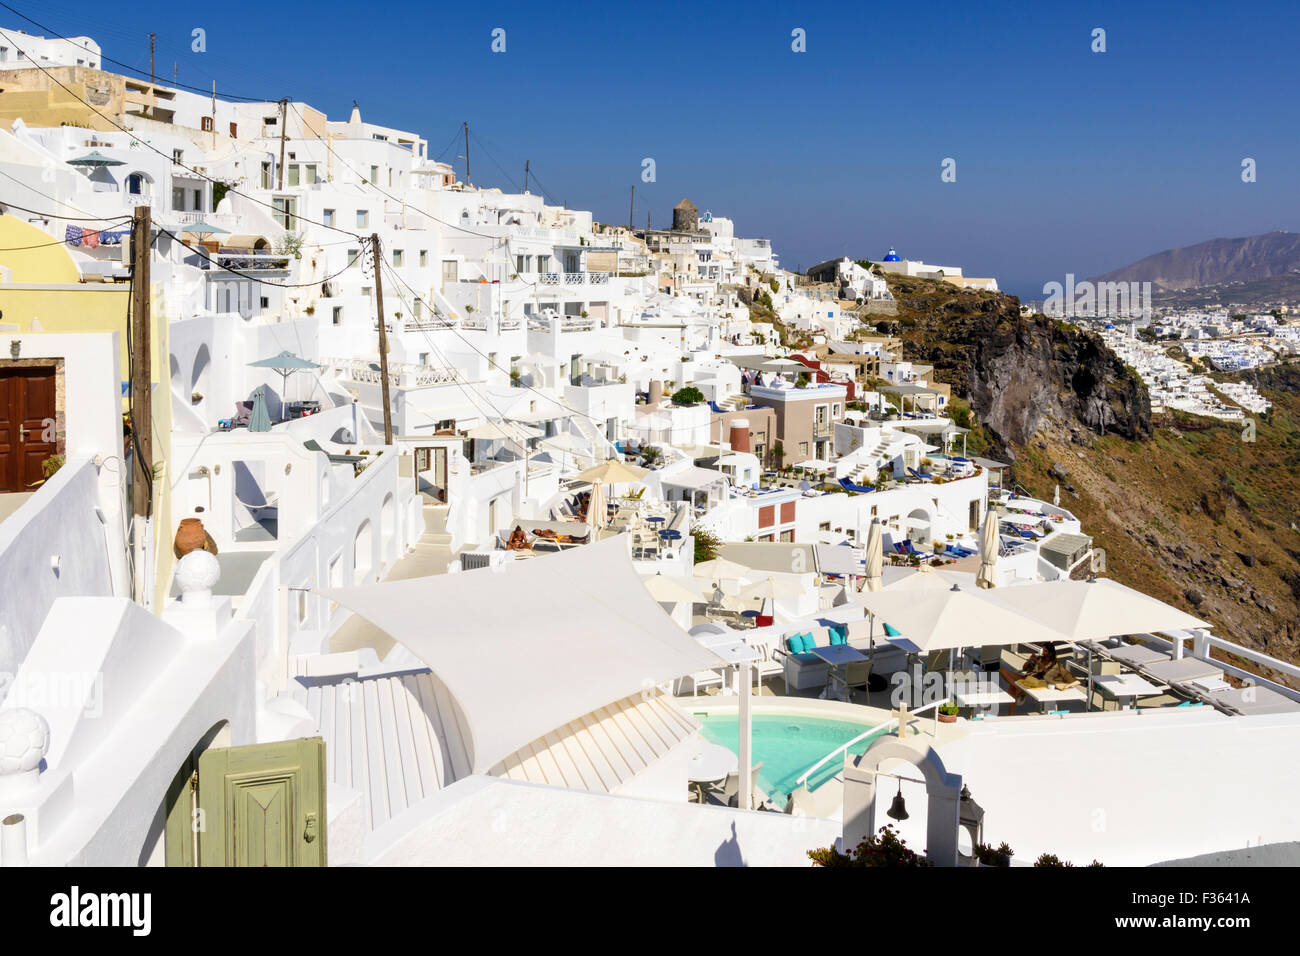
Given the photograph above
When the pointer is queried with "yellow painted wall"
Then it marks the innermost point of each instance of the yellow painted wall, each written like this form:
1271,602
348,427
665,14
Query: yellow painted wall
45,285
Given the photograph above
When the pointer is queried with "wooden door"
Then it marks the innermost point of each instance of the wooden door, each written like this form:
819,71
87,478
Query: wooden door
27,431
263,804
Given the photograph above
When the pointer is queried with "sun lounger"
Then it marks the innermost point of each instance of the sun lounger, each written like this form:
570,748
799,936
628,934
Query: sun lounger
1180,671
918,476
1250,700
1135,655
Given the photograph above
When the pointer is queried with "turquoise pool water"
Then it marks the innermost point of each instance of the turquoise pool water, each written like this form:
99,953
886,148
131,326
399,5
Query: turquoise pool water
787,745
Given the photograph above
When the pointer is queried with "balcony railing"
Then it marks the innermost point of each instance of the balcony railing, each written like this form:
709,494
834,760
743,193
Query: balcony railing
574,278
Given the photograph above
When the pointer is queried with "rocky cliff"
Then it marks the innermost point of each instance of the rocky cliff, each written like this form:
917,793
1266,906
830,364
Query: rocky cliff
1214,262
1016,371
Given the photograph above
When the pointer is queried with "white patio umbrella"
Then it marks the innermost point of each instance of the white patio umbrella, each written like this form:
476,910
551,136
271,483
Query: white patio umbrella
875,557
670,591
1056,497
596,507
941,620
771,588
720,569
987,577
1092,610
926,578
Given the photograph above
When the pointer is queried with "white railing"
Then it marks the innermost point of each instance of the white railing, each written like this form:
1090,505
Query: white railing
842,748
417,375
574,278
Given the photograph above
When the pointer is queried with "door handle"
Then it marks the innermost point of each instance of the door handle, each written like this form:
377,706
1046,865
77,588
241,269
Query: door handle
22,432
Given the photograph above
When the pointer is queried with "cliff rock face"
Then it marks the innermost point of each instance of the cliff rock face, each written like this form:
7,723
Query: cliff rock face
1017,370
1023,370
1214,262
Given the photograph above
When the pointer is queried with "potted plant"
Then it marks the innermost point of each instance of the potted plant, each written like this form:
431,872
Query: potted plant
948,713
988,856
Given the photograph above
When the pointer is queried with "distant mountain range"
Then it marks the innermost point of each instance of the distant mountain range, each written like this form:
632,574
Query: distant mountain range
1215,263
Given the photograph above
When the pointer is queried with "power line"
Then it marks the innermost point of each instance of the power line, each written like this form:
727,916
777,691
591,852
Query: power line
172,159
253,278
133,69
33,189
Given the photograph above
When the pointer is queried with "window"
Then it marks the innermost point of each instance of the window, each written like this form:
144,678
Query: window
284,210
836,411
397,258
374,174
519,264
424,258
205,123
328,217
266,175
419,310
309,173
363,218
354,255
424,358
178,199
450,270
803,448
266,302
177,154
543,263
368,291
198,199
268,120
137,185
338,315
234,130
824,526
293,174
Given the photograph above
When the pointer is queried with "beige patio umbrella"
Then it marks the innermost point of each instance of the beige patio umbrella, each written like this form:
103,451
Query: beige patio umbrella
987,577
670,591
612,472
875,557
1092,610
771,587
1056,497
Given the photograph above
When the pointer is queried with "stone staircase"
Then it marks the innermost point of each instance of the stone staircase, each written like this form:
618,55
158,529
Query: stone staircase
435,527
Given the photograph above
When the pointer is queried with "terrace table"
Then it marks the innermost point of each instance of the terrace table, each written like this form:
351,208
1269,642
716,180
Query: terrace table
711,763
982,698
1119,686
837,656
1048,695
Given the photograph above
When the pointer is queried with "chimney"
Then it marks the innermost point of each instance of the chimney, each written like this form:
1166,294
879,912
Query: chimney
656,394
739,434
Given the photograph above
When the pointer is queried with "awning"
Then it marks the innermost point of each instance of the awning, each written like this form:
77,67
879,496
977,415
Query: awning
245,241
528,649
693,478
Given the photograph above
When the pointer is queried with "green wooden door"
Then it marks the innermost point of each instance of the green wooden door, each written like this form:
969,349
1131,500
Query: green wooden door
263,804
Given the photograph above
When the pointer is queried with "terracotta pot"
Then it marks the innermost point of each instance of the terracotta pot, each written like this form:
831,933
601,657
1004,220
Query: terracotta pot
947,718
190,536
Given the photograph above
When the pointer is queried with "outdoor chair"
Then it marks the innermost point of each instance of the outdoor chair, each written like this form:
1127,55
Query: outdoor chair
705,678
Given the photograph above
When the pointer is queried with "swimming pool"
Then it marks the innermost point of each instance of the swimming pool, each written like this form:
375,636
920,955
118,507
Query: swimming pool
787,745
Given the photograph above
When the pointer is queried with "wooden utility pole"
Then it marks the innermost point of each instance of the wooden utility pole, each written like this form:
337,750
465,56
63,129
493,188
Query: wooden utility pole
383,338
467,179
284,106
631,208
526,175
141,393
152,78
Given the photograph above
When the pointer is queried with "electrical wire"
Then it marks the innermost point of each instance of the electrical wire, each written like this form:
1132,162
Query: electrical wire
172,159
133,69
253,278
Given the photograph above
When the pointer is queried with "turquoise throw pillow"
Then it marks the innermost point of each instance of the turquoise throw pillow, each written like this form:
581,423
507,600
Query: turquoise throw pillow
892,632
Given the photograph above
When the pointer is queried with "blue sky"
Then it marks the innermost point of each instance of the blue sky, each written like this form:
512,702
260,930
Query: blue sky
1066,160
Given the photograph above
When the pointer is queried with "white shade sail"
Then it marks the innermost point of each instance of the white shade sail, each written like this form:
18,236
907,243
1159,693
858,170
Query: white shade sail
937,620
1092,610
527,650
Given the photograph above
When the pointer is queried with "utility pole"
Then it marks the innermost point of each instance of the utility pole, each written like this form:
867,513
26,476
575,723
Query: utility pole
383,339
284,107
467,179
175,72
152,37
525,175
630,210
141,398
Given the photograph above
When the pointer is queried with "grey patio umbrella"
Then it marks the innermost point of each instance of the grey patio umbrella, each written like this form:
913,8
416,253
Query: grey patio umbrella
203,230
95,159
286,363
259,420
